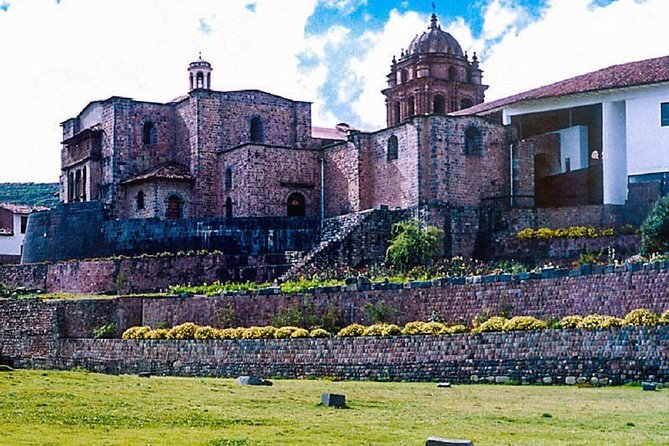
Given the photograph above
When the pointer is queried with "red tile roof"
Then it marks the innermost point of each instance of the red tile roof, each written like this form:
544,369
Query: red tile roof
644,72
171,171
22,208
328,133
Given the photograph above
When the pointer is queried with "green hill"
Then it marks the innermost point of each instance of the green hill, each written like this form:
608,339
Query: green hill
35,194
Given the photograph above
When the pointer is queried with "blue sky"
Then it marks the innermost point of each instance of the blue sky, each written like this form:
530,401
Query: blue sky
60,55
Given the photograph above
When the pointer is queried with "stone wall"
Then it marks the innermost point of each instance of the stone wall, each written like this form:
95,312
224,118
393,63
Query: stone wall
614,355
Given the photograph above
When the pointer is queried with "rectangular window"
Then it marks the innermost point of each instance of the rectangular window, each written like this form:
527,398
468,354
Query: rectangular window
664,114
24,224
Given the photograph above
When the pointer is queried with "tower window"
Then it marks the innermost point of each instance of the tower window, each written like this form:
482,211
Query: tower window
473,141
396,110
664,114
404,75
466,103
199,80
392,148
412,106
139,200
256,129
452,74
149,133
228,178
439,105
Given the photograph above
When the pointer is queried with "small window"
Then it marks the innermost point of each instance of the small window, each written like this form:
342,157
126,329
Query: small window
296,205
452,75
149,133
256,129
228,178
24,224
174,206
664,114
228,207
439,105
398,117
412,106
392,148
199,80
404,76
466,103
473,141
140,200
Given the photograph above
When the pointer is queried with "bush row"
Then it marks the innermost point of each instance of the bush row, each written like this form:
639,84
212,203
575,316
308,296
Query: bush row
570,232
189,330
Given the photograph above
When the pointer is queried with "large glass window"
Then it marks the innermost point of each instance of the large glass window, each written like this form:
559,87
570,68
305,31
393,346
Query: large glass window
664,114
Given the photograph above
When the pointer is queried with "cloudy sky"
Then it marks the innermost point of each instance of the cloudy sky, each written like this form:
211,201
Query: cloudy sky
58,55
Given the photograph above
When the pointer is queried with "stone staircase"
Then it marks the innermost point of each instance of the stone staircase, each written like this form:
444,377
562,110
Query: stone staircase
334,231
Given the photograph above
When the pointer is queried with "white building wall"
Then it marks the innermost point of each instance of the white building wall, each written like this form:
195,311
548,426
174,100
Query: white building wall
647,140
11,244
574,145
614,153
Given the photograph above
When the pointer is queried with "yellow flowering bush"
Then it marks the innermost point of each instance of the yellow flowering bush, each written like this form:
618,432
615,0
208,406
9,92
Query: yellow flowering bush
374,330
495,323
135,332
319,333
570,321
266,332
206,333
641,317
570,232
455,329
284,332
230,333
299,333
182,331
351,330
612,322
525,323
414,328
391,330
158,333
664,319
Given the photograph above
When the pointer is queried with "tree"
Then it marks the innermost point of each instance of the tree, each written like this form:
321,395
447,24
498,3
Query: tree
655,229
412,245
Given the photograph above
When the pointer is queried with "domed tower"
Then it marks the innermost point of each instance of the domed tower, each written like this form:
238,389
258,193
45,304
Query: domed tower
433,76
200,74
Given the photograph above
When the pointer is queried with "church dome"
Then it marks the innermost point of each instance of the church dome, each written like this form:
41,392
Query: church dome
435,40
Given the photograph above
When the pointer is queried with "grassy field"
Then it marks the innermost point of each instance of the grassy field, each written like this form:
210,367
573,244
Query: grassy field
79,408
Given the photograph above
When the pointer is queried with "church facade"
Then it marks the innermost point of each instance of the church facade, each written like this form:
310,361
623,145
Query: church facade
228,154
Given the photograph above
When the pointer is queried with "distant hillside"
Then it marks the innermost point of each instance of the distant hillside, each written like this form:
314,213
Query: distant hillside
36,194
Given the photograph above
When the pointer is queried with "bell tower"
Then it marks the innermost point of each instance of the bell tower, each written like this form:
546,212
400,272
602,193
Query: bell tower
199,73
432,76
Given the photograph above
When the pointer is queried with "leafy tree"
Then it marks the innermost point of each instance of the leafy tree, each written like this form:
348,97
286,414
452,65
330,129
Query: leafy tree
412,245
655,229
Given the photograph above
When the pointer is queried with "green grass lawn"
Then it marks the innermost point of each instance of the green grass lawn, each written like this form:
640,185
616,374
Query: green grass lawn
79,408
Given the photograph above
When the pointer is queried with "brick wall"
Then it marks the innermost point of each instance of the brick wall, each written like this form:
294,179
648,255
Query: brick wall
617,355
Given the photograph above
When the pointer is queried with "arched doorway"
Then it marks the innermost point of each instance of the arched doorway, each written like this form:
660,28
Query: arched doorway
296,205
174,206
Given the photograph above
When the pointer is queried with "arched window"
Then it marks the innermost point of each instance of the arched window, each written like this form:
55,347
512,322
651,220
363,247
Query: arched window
466,103
412,106
77,185
296,205
228,178
473,141
70,188
452,74
256,129
228,207
398,118
404,75
174,206
392,148
199,80
139,200
83,184
439,105
149,133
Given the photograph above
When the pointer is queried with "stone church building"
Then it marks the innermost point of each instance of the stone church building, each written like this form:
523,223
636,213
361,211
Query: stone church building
570,152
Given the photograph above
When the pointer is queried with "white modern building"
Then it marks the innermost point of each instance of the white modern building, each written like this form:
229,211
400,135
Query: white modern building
615,119
13,226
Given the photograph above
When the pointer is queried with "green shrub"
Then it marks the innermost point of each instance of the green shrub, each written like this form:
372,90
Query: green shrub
455,329
183,331
655,229
106,331
571,322
205,333
525,323
319,333
641,317
351,330
266,332
495,323
380,312
412,245
284,332
391,330
158,333
135,332
664,319
414,328
299,333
